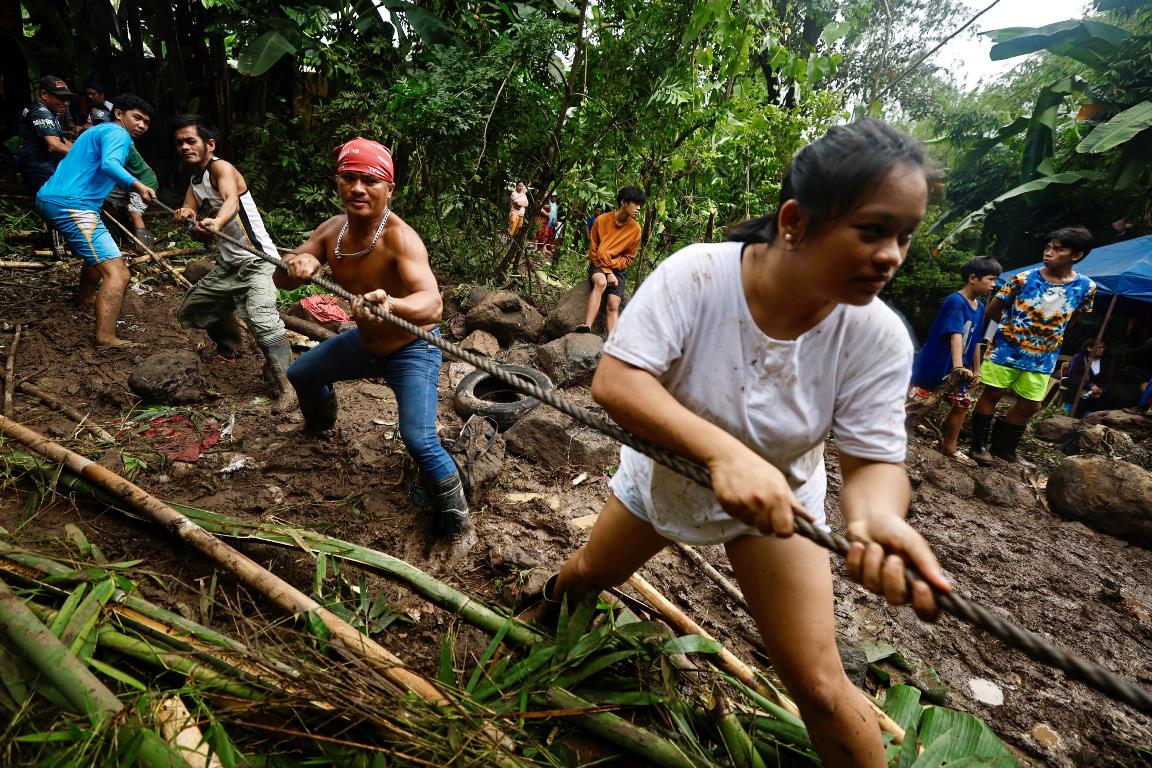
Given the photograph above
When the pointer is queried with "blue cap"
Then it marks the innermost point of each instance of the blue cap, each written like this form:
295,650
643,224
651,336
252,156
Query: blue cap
98,116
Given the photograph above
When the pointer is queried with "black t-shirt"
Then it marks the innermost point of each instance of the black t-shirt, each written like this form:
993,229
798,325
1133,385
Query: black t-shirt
36,122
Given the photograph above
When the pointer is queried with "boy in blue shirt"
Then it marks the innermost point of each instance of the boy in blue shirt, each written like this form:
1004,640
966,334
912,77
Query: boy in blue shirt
1034,308
950,356
71,201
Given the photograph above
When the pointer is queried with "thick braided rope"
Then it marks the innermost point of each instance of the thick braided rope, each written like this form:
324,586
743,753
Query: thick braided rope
1030,643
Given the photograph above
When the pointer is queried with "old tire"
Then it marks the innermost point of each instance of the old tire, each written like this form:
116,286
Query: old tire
485,395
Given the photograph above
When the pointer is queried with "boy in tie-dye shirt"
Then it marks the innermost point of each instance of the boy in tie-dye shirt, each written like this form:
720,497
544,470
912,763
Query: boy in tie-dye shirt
1034,308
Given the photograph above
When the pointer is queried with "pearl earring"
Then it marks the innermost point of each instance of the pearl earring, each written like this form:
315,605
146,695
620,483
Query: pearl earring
788,237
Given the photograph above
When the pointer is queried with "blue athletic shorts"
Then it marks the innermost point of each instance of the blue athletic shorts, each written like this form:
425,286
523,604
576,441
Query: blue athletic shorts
82,228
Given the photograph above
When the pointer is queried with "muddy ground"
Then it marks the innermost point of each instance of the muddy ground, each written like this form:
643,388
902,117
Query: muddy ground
1082,590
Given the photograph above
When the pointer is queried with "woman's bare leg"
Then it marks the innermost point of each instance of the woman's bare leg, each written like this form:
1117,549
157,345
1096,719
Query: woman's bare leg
788,586
619,544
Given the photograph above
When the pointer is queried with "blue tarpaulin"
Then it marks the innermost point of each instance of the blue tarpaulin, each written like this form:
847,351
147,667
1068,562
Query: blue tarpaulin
1123,269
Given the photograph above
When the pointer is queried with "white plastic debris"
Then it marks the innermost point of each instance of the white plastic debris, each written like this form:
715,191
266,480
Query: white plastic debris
580,478
986,691
229,427
240,462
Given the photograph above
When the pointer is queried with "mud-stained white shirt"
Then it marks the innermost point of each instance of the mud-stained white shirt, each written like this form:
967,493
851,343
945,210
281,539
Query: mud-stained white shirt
247,225
690,326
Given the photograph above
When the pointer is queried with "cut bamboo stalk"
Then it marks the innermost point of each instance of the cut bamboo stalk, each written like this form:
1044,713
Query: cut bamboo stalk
620,732
179,727
341,634
51,401
159,259
72,678
25,264
9,375
728,661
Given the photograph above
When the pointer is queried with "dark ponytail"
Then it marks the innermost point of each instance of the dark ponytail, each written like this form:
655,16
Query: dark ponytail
833,174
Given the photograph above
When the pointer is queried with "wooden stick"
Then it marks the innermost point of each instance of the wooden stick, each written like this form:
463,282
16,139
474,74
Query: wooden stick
342,635
25,265
314,331
159,259
726,586
51,401
728,662
179,728
9,376
172,252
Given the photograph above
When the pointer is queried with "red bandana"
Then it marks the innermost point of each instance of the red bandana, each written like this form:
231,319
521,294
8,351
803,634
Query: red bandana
364,156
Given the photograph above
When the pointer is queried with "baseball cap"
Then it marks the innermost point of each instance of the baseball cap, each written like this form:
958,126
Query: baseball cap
55,86
98,116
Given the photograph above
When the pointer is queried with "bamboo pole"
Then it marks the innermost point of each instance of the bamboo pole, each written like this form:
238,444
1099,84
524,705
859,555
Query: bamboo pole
619,731
179,727
728,661
25,265
51,401
9,377
159,259
342,635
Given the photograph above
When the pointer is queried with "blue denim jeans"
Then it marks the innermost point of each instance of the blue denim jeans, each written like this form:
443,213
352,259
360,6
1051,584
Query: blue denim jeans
411,371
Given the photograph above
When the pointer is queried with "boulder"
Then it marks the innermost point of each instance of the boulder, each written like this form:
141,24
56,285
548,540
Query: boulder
1056,429
550,438
1107,495
951,479
569,311
522,355
1138,425
473,296
1002,490
1097,438
482,343
197,269
506,316
171,377
570,359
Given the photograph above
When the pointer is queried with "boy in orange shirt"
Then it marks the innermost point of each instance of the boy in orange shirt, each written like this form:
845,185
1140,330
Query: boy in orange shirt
615,240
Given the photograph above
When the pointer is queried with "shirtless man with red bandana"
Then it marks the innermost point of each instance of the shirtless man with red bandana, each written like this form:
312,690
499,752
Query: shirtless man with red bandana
373,253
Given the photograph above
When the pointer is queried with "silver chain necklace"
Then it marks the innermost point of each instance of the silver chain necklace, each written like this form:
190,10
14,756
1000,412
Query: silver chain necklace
375,238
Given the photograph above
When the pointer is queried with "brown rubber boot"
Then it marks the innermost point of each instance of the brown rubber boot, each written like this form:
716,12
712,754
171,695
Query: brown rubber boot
279,357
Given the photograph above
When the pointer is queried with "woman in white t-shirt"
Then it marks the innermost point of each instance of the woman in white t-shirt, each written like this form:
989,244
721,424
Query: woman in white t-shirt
743,356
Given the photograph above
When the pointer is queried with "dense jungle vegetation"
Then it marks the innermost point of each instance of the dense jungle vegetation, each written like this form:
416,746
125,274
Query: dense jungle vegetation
700,103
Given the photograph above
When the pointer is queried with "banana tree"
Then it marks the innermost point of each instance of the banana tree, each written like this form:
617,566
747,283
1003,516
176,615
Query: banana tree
1117,148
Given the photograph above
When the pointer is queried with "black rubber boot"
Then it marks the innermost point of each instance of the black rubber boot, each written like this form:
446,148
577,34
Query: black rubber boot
226,334
1005,440
277,359
981,426
450,506
319,414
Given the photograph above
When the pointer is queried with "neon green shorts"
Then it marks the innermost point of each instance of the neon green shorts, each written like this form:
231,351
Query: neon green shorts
1030,385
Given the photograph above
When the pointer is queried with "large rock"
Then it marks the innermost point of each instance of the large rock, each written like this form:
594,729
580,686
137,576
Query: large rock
555,440
506,316
952,479
570,359
1056,429
195,270
1108,495
569,311
169,378
1138,425
482,343
1001,490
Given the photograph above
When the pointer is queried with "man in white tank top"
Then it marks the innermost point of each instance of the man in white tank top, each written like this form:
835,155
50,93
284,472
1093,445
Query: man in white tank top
241,281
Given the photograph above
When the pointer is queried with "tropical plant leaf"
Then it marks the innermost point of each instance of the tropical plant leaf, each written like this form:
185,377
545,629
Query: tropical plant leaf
425,24
1120,129
1089,42
262,53
1134,161
692,644
1040,136
934,753
902,704
969,737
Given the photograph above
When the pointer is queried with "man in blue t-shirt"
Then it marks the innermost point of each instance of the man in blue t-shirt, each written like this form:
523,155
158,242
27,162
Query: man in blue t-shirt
42,142
950,357
71,201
